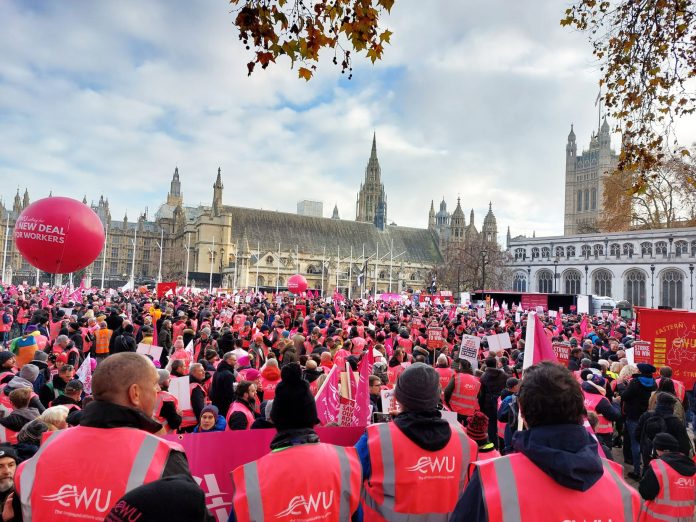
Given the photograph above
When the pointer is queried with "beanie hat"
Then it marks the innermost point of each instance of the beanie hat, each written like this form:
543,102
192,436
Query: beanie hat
211,408
9,451
29,372
6,356
251,375
665,442
418,388
175,499
62,357
243,360
663,399
40,356
477,426
293,406
32,431
646,369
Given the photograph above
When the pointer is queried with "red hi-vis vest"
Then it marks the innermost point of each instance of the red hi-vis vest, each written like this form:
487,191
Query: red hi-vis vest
675,501
591,402
445,376
188,418
237,406
7,435
268,387
328,489
464,399
514,489
679,388
393,373
410,482
128,458
162,397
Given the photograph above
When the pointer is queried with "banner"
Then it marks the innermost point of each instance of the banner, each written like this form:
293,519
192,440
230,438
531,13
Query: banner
531,301
213,456
163,288
562,351
469,349
672,335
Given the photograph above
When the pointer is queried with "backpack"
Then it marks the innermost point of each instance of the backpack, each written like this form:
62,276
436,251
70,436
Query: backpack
653,425
6,318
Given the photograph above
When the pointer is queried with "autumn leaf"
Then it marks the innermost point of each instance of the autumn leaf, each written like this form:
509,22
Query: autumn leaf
385,36
305,73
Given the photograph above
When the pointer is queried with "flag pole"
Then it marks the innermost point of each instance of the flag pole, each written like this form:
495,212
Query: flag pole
323,262
188,250
106,240
528,354
258,260
278,272
350,274
4,252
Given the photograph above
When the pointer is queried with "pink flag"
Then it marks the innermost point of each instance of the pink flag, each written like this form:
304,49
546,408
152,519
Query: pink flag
543,351
328,397
559,323
361,413
583,326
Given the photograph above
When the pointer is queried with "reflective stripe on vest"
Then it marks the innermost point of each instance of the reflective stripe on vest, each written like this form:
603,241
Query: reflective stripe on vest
188,417
604,425
162,397
7,435
462,401
501,497
670,505
386,508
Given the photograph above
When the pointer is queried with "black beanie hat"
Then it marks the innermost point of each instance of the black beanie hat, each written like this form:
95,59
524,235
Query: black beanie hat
418,388
175,498
293,406
665,442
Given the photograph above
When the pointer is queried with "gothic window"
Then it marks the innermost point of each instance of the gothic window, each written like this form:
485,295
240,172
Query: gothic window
579,200
615,250
280,281
559,251
635,287
519,282
693,248
598,250
414,277
570,251
383,275
672,288
571,279
681,248
628,250
519,253
586,251
546,252
262,281
594,199
587,199
602,282
269,260
661,248
311,269
545,281
535,253
646,249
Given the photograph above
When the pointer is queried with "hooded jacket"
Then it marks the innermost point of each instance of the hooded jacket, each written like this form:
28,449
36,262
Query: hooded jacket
636,396
565,452
222,387
19,382
649,487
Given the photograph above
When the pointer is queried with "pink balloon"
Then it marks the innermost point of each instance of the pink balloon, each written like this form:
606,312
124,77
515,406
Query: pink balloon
297,284
59,235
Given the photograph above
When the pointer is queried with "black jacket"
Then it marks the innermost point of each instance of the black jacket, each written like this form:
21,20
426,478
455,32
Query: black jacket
238,420
492,384
670,423
49,393
636,396
124,343
198,396
16,420
222,388
649,487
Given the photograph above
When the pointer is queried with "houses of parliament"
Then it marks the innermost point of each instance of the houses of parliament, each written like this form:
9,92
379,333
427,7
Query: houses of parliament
252,248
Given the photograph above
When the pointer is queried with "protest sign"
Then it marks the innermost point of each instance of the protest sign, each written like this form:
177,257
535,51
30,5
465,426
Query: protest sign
517,317
641,352
562,351
469,349
389,404
179,387
481,313
238,321
435,339
498,343
148,349
630,356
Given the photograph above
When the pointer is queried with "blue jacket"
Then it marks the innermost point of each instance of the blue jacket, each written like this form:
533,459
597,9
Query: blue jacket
220,425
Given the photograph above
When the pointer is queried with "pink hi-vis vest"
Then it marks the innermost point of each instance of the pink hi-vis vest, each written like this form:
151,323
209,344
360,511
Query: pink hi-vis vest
7,435
464,399
162,397
268,386
591,402
237,406
128,458
679,388
188,418
328,489
515,489
410,482
445,376
675,501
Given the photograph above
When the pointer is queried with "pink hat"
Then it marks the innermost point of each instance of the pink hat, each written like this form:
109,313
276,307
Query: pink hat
243,360
251,375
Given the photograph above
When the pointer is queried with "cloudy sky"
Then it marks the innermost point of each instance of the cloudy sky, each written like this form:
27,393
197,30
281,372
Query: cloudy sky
473,99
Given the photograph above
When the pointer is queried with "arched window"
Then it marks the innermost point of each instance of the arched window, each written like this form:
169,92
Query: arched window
646,249
545,252
559,251
693,248
681,248
587,199
635,287
628,250
570,251
382,274
672,283
586,251
594,199
520,253
545,280
535,253
615,250
601,282
311,269
661,248
571,279
262,281
280,281
269,260
598,250
414,276
519,282
579,200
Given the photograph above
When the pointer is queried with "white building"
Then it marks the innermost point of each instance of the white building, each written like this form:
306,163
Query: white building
646,268
310,208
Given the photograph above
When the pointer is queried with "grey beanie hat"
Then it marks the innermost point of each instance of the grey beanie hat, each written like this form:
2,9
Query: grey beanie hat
418,388
29,372
40,356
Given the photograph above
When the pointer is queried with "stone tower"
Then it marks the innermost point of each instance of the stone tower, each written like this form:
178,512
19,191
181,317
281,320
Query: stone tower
174,196
490,226
381,214
371,190
335,212
431,216
584,180
25,199
217,194
457,223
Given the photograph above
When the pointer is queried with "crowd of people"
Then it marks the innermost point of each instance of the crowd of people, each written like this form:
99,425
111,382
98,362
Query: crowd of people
488,441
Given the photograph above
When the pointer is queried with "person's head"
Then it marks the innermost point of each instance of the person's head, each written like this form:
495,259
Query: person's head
666,372
667,385
127,379
29,372
8,466
418,388
209,416
513,385
32,431
549,394
67,372
375,385
465,366
55,417
163,379
74,389
491,362
179,343
665,443
178,368
230,358
477,428
197,371
205,333
246,391
62,341
442,361
293,405
7,360
211,356
20,397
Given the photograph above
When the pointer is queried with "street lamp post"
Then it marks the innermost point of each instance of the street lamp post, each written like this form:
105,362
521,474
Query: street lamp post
671,240
691,270
555,274
529,279
484,256
587,269
652,286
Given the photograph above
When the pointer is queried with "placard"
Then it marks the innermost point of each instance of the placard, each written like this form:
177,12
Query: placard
149,349
469,349
435,339
517,317
179,387
389,404
499,342
238,321
630,356
641,352
562,351
481,313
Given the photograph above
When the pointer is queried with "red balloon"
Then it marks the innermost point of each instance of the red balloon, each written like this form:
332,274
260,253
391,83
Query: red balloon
297,284
59,235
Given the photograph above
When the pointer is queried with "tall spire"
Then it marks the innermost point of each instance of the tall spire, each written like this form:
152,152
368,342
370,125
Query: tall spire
335,212
373,154
174,197
371,190
217,193
25,200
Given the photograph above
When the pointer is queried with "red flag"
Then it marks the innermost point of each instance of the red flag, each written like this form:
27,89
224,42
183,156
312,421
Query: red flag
361,413
328,397
583,326
543,350
559,323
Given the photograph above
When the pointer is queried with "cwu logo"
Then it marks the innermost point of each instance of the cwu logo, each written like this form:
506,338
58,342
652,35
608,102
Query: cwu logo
433,465
69,496
301,505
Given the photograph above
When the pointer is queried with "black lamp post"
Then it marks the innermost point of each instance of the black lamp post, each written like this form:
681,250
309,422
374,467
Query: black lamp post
529,278
691,270
671,240
652,286
484,255
587,269
555,274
